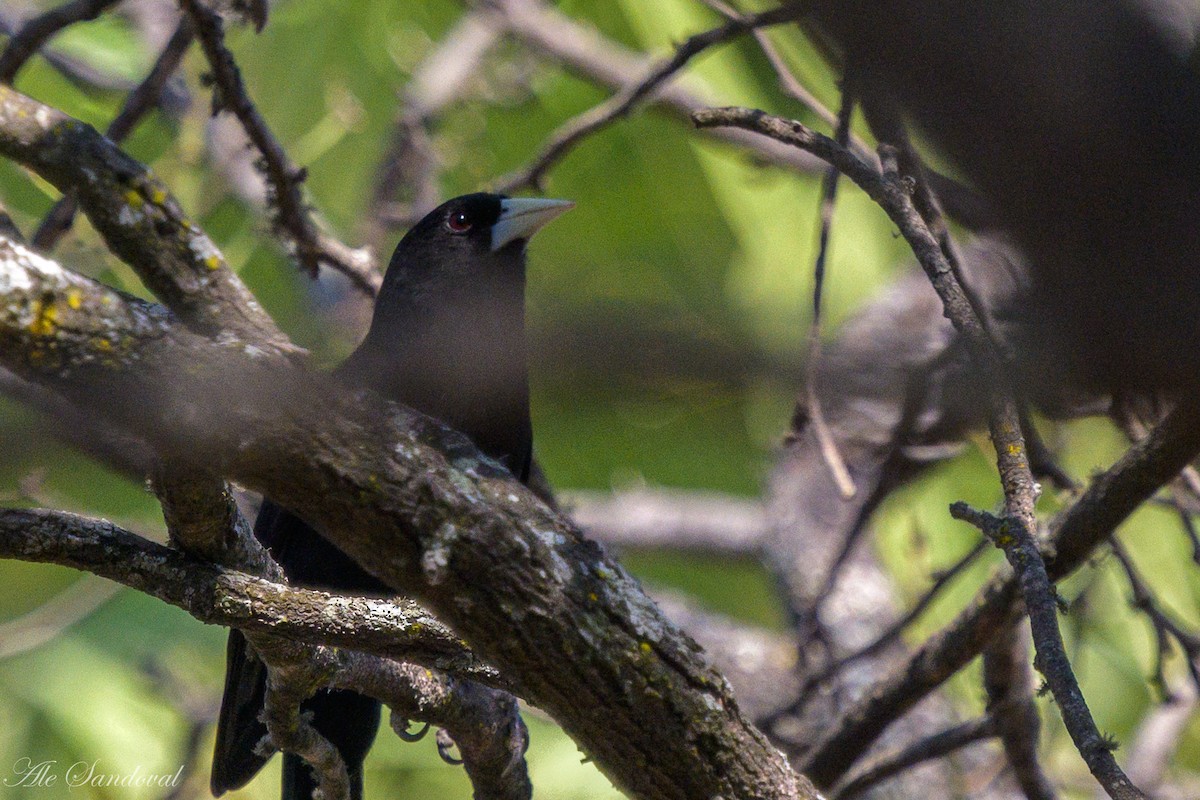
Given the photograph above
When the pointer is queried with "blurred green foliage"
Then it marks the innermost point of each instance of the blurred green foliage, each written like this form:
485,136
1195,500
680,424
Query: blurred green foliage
673,233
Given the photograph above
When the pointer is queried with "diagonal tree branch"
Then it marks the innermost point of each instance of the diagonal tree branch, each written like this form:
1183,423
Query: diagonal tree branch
418,506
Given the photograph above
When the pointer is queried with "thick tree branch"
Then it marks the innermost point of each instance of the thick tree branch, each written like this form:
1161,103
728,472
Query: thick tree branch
418,506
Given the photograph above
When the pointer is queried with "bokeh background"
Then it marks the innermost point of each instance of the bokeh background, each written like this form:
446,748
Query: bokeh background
668,315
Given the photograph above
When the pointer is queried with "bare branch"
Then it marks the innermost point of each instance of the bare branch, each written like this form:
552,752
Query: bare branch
1110,499
1165,627
38,31
289,683
1041,603
483,723
889,764
394,629
619,106
829,449
554,35
312,248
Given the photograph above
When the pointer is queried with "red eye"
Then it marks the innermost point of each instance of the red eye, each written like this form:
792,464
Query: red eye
458,222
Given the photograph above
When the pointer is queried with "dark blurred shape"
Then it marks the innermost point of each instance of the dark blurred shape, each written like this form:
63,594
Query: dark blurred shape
899,393
1080,121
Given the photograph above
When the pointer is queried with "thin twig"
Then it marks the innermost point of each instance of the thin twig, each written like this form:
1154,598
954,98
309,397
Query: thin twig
570,134
284,179
889,764
1164,625
829,448
1041,603
788,82
888,127
39,30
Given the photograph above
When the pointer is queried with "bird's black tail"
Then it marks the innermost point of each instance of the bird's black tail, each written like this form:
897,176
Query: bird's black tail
239,730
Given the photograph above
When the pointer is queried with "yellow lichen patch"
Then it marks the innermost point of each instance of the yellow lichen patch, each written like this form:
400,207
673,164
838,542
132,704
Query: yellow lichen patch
593,596
134,198
213,262
1014,449
74,299
645,647
158,196
101,344
45,318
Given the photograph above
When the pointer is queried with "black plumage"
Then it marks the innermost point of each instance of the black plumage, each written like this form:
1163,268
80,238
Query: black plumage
448,339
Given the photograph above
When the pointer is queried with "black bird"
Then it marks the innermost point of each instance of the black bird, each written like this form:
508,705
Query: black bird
448,339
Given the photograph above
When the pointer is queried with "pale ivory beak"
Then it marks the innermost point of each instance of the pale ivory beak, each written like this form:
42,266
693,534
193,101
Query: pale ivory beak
522,217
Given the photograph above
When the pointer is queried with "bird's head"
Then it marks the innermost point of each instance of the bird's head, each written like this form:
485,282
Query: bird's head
471,239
